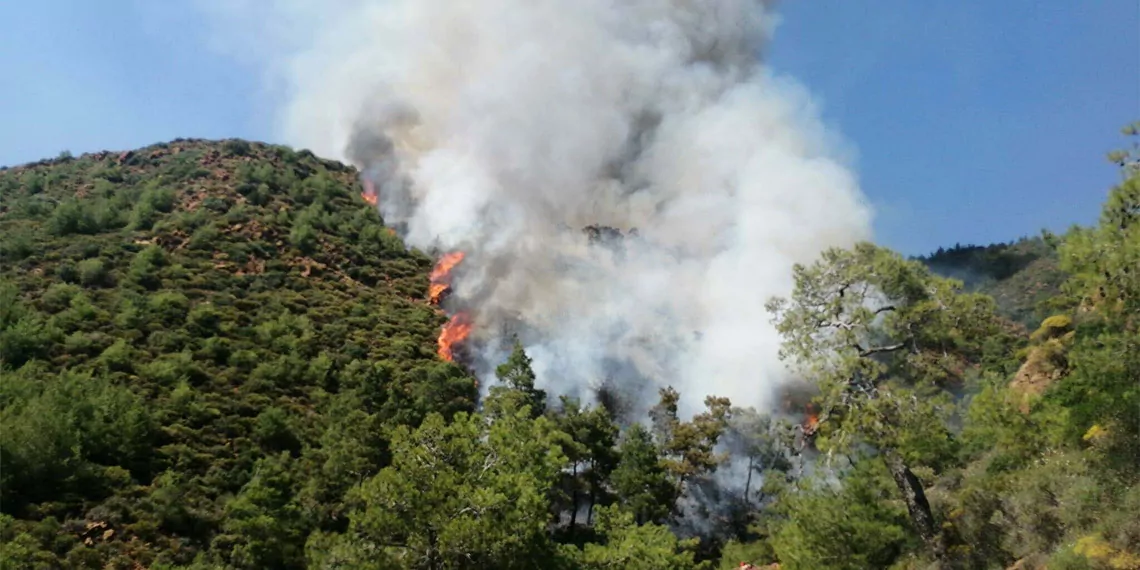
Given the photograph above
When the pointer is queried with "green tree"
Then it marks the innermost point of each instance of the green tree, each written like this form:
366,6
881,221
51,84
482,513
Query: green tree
273,430
17,246
153,202
517,389
303,236
629,545
72,217
146,265
885,341
592,454
764,444
1104,290
688,447
464,494
59,433
24,334
853,526
93,273
262,527
351,450
641,480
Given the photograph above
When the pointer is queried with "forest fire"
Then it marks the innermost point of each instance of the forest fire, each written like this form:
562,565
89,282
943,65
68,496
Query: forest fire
812,421
459,327
369,193
453,333
441,276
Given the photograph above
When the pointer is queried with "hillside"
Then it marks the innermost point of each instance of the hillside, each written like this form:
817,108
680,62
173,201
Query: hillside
1020,275
214,354
189,309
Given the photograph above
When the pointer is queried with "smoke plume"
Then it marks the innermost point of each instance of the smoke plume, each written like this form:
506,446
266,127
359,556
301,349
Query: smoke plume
502,128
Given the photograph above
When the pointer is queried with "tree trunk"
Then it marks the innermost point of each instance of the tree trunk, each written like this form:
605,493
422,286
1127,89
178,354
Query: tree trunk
748,482
916,503
573,498
592,480
590,509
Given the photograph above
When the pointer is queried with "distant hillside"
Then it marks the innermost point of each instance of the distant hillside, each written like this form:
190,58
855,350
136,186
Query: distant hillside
174,314
1019,275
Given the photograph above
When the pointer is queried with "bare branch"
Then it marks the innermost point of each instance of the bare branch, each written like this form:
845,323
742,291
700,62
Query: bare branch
863,353
836,325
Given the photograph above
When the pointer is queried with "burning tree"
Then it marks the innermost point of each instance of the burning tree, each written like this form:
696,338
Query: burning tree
369,194
452,334
441,276
460,325
886,342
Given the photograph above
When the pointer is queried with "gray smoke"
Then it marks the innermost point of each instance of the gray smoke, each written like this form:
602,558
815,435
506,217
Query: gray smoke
503,127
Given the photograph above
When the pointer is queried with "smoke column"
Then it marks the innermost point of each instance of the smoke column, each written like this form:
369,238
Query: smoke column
501,128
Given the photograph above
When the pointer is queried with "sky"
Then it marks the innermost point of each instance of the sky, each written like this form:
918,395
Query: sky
972,121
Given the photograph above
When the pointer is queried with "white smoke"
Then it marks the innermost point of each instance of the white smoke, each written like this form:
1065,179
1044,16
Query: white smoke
503,127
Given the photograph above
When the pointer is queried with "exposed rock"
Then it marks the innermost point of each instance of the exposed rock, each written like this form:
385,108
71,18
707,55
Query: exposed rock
1045,359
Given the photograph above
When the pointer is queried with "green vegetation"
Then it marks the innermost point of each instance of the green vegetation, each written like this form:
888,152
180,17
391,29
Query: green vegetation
214,355
1022,276
177,369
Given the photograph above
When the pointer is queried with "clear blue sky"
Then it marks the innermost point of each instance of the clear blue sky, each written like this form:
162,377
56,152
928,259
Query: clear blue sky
975,121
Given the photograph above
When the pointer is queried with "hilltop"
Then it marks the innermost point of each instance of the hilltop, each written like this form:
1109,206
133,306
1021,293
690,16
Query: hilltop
1021,275
185,310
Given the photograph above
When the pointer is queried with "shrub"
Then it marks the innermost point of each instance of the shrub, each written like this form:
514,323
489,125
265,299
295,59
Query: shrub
26,339
16,246
203,320
236,147
119,357
67,272
71,217
303,237
204,238
146,265
153,202
70,423
92,273
58,297
273,432
168,307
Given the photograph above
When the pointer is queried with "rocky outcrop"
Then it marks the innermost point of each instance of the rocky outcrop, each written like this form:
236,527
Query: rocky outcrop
1045,360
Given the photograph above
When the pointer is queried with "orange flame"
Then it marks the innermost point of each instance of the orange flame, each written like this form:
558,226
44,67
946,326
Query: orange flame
436,291
445,265
812,421
454,332
369,193
441,275
459,327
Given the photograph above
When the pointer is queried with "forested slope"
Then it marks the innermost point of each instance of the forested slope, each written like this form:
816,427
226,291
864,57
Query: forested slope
172,316
1022,276
214,355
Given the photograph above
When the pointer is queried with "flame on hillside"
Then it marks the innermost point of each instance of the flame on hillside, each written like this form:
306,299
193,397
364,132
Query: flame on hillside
441,275
459,327
454,332
369,194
